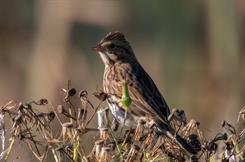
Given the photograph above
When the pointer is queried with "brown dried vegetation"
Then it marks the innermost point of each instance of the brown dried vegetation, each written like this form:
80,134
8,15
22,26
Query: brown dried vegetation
114,143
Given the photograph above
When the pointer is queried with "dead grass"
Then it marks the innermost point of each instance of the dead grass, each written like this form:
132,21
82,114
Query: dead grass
114,143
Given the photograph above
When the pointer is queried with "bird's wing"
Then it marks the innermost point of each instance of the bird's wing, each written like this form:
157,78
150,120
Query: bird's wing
144,92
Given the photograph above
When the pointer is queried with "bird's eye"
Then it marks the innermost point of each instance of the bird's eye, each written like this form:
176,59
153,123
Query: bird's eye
111,46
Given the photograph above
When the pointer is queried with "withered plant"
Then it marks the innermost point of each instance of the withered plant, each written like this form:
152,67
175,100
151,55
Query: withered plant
38,129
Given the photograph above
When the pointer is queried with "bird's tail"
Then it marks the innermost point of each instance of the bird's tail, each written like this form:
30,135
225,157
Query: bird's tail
172,134
181,142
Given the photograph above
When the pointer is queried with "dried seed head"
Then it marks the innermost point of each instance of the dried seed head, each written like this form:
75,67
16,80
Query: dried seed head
98,145
27,106
229,145
229,127
105,155
212,147
177,117
71,92
220,136
43,101
51,115
100,95
192,127
194,142
181,114
83,93
104,134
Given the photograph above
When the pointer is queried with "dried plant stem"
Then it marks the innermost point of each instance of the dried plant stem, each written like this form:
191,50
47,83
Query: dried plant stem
56,114
56,158
75,152
92,116
74,135
116,142
238,151
9,148
140,143
82,150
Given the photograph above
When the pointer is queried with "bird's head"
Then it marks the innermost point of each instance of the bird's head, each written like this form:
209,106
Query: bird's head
114,48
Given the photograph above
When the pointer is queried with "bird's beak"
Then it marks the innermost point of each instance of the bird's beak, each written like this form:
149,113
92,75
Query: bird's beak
97,48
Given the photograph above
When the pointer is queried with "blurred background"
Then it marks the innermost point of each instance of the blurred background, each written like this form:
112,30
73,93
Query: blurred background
193,50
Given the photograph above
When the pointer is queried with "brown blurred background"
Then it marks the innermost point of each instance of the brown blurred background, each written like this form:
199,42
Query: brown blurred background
194,50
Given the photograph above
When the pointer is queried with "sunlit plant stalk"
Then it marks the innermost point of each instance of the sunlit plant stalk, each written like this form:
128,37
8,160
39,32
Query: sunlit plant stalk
55,156
9,148
74,134
75,151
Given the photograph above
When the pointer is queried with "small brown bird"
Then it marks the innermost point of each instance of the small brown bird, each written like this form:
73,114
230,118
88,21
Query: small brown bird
147,102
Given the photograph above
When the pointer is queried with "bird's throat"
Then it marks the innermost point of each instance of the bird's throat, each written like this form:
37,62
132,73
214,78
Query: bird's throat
104,58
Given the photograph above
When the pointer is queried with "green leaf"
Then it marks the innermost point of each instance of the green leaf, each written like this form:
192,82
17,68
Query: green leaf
125,100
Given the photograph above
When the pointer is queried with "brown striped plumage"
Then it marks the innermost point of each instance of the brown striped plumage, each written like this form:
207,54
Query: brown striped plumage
121,64
147,102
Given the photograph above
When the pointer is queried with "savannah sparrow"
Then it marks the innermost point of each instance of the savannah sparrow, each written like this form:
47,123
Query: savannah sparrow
147,102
